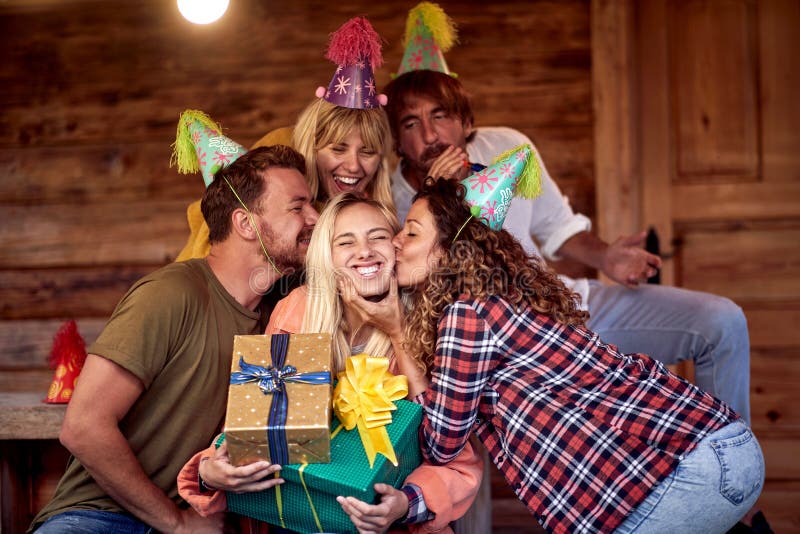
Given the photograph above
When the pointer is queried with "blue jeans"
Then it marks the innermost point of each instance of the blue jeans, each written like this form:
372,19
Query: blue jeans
671,324
93,522
709,491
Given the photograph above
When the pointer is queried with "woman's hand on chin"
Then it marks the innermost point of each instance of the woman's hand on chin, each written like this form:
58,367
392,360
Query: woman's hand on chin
385,314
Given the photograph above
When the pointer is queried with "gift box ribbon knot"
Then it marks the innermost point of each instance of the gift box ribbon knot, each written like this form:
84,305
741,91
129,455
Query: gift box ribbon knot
363,399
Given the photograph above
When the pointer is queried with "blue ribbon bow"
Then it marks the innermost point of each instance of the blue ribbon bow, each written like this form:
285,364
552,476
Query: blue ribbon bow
271,381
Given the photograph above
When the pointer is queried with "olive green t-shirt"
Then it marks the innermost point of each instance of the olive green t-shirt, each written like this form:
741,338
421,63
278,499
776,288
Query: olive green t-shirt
173,330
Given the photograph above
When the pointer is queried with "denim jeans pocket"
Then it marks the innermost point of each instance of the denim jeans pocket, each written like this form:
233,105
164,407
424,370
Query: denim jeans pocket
741,463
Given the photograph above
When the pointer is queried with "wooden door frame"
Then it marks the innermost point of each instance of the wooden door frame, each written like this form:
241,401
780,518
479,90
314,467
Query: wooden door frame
617,188
630,161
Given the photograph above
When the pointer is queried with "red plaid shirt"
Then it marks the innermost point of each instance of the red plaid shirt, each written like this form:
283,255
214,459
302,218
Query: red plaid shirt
581,431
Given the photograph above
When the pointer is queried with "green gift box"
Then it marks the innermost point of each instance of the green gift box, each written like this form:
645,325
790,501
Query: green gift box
308,497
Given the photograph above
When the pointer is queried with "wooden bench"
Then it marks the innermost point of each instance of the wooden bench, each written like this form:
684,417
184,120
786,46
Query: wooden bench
31,459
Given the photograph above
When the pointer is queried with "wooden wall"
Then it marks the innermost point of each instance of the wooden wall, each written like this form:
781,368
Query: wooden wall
698,137
91,92
735,199
91,95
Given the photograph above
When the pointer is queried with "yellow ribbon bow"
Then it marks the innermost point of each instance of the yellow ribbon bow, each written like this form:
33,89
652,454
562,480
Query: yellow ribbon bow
363,398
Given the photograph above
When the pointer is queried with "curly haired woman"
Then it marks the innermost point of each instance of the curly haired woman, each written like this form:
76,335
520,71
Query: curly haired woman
590,439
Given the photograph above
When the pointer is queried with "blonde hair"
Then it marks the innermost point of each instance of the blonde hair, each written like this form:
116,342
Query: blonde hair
323,123
324,311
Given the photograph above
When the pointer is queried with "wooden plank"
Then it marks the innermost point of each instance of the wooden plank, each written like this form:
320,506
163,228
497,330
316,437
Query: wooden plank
91,75
540,66
754,263
613,82
27,344
558,102
26,381
15,487
565,22
66,292
564,103
568,154
141,171
49,461
96,173
774,375
779,502
654,130
773,324
780,78
702,202
95,234
88,80
717,124
547,25
87,121
780,455
25,416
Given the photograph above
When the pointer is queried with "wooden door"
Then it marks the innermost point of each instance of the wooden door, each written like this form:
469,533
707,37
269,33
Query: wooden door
697,133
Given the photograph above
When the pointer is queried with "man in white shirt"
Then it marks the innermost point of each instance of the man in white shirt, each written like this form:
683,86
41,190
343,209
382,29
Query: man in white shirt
432,123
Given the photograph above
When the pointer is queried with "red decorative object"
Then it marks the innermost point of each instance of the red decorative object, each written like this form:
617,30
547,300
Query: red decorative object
66,358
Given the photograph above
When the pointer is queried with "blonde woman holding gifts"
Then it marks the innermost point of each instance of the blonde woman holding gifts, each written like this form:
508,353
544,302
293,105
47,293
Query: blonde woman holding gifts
350,275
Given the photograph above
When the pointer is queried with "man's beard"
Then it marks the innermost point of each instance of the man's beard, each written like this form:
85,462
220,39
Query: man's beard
430,154
286,256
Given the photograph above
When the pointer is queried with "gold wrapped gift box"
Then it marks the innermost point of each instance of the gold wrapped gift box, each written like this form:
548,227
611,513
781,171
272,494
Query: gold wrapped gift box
300,433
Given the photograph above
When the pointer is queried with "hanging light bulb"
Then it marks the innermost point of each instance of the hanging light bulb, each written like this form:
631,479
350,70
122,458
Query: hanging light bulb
202,11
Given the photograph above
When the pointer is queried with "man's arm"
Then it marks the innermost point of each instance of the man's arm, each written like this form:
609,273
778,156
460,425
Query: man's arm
624,260
103,395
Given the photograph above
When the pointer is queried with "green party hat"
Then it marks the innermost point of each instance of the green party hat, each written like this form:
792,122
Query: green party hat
516,172
429,33
200,146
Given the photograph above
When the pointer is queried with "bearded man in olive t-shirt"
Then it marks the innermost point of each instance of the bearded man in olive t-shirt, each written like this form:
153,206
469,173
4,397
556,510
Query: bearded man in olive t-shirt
154,386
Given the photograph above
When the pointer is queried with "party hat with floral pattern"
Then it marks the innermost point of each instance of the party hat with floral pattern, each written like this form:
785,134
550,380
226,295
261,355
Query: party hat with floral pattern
356,49
429,33
200,146
513,173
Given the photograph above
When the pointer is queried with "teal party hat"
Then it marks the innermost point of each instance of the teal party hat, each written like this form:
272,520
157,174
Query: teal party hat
513,173
200,146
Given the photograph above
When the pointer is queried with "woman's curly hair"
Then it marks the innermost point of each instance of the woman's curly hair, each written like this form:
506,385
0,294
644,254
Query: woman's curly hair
479,262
